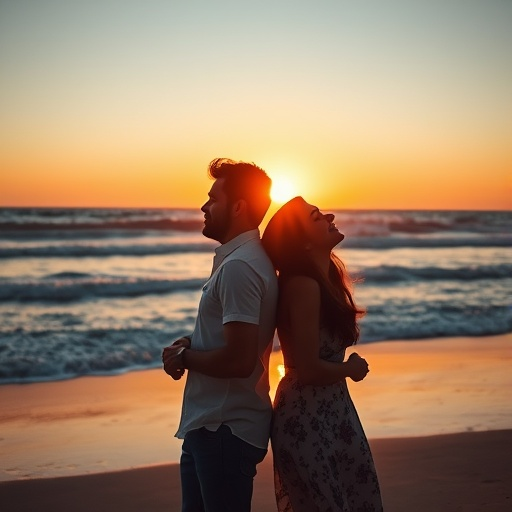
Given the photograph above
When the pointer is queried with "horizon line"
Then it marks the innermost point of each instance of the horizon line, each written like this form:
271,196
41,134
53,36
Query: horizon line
277,204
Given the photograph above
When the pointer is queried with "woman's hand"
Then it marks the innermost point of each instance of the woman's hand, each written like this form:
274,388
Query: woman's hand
356,367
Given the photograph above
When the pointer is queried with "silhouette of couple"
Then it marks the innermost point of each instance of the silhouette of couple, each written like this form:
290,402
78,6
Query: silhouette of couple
291,280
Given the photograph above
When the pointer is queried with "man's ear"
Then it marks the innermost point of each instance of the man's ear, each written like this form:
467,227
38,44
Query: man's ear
239,207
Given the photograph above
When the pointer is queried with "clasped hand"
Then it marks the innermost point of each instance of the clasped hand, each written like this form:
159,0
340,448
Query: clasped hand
171,359
357,367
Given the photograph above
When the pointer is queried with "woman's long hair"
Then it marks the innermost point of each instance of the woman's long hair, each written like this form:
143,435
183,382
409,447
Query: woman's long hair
284,240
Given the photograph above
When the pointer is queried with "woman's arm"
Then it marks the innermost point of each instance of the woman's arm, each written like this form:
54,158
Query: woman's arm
301,302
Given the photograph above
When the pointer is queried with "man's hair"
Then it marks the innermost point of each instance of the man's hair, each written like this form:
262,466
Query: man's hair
245,181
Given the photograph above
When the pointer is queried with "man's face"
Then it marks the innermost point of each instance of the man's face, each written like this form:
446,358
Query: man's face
217,219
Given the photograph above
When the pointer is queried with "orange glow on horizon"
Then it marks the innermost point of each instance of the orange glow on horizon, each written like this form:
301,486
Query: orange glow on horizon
134,181
188,190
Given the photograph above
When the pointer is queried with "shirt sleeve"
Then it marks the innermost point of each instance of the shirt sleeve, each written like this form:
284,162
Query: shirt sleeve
241,291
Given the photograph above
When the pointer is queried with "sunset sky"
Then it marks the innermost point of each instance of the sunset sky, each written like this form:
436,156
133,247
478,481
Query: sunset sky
361,104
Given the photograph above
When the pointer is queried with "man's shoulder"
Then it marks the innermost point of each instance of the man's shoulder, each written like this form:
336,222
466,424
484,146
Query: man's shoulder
254,255
252,263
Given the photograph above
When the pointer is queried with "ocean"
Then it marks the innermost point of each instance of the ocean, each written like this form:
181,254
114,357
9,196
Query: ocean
88,291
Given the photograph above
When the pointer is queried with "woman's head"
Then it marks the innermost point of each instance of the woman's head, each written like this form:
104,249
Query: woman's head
298,233
299,239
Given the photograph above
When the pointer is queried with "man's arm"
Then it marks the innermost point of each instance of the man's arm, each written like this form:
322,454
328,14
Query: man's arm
236,359
240,292
170,367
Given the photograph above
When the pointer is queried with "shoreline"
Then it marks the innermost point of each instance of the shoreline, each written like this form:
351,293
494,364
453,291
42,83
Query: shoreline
99,425
466,471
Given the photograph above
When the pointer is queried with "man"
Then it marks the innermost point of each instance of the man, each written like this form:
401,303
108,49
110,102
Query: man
226,413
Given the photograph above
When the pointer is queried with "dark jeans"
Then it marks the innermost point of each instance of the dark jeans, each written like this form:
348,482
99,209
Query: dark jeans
217,471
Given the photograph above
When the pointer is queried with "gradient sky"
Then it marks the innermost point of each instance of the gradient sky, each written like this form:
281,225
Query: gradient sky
362,104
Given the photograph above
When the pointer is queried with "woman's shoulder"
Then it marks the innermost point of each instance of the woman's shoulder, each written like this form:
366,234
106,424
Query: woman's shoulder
300,285
299,302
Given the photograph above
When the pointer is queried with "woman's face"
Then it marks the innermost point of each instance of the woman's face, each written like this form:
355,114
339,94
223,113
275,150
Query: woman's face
319,228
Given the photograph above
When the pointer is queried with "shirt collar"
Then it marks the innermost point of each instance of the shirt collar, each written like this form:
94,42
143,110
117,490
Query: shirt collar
222,251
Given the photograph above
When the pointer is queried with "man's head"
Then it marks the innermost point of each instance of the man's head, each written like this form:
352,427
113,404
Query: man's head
238,199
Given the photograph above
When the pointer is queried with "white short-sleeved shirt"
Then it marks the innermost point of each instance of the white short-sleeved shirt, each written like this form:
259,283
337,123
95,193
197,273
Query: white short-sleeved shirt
242,288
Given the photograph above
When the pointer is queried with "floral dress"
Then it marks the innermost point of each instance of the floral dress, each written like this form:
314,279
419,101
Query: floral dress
322,461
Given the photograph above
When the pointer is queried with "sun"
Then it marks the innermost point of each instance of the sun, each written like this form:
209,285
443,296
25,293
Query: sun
282,190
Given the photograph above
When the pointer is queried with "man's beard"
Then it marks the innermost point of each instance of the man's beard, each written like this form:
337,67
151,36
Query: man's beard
216,230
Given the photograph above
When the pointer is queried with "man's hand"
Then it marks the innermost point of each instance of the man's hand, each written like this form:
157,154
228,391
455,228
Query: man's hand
172,360
357,367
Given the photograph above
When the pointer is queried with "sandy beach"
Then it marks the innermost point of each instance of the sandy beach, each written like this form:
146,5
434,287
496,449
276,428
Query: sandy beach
437,413
467,472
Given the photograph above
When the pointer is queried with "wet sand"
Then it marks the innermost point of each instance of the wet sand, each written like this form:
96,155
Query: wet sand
437,412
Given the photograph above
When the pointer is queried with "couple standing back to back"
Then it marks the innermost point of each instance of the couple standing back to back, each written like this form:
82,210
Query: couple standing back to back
322,461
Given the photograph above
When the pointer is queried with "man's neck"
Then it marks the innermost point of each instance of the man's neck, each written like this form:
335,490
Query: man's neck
233,233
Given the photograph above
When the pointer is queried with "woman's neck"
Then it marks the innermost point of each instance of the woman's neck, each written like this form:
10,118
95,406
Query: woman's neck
322,262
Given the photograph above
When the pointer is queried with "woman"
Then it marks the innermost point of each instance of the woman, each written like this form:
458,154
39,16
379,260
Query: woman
322,461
